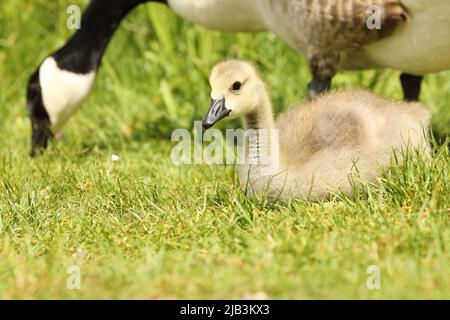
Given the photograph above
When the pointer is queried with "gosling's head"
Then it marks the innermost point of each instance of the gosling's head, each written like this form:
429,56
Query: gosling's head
236,90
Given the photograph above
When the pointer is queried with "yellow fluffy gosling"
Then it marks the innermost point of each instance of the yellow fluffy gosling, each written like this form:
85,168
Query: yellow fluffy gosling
320,143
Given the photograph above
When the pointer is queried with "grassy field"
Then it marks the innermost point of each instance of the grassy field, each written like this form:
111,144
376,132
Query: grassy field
141,227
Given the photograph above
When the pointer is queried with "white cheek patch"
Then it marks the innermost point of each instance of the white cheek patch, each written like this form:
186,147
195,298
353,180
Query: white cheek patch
63,91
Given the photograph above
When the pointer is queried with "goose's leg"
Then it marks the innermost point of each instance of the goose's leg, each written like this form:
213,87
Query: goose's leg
318,86
64,79
411,85
323,66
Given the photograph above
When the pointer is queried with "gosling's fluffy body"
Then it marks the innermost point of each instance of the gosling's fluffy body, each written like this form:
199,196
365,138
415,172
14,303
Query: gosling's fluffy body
324,141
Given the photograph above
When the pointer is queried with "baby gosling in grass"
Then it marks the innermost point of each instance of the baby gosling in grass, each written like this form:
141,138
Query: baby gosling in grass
319,145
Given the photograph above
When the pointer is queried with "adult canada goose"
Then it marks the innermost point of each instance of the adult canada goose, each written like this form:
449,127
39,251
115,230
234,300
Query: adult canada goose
409,35
320,143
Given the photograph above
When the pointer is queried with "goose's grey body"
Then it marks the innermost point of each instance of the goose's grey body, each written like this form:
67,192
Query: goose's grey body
414,35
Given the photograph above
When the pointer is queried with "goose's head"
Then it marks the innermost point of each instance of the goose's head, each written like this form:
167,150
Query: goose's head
236,90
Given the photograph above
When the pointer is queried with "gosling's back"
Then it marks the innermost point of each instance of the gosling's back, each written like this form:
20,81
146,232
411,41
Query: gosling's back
323,141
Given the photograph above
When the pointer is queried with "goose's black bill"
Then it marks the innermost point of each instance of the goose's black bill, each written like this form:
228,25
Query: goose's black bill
217,111
40,120
39,139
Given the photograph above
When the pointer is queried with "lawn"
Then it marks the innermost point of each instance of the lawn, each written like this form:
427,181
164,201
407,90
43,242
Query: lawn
141,227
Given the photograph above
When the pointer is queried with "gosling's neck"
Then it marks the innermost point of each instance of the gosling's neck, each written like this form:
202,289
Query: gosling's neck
262,142
262,118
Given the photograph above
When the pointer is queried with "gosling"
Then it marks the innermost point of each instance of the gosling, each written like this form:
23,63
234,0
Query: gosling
320,146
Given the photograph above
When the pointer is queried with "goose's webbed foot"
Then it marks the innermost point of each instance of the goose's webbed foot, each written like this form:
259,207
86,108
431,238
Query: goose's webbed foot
411,86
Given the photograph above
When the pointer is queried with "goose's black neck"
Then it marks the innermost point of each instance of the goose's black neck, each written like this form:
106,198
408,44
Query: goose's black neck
84,51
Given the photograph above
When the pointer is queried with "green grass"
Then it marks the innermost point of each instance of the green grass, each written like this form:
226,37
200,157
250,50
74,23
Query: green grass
144,228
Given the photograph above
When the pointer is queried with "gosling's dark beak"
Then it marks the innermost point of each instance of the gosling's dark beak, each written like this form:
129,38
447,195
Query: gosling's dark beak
217,111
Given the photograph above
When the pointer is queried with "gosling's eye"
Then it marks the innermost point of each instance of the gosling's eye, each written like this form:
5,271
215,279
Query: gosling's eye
236,86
